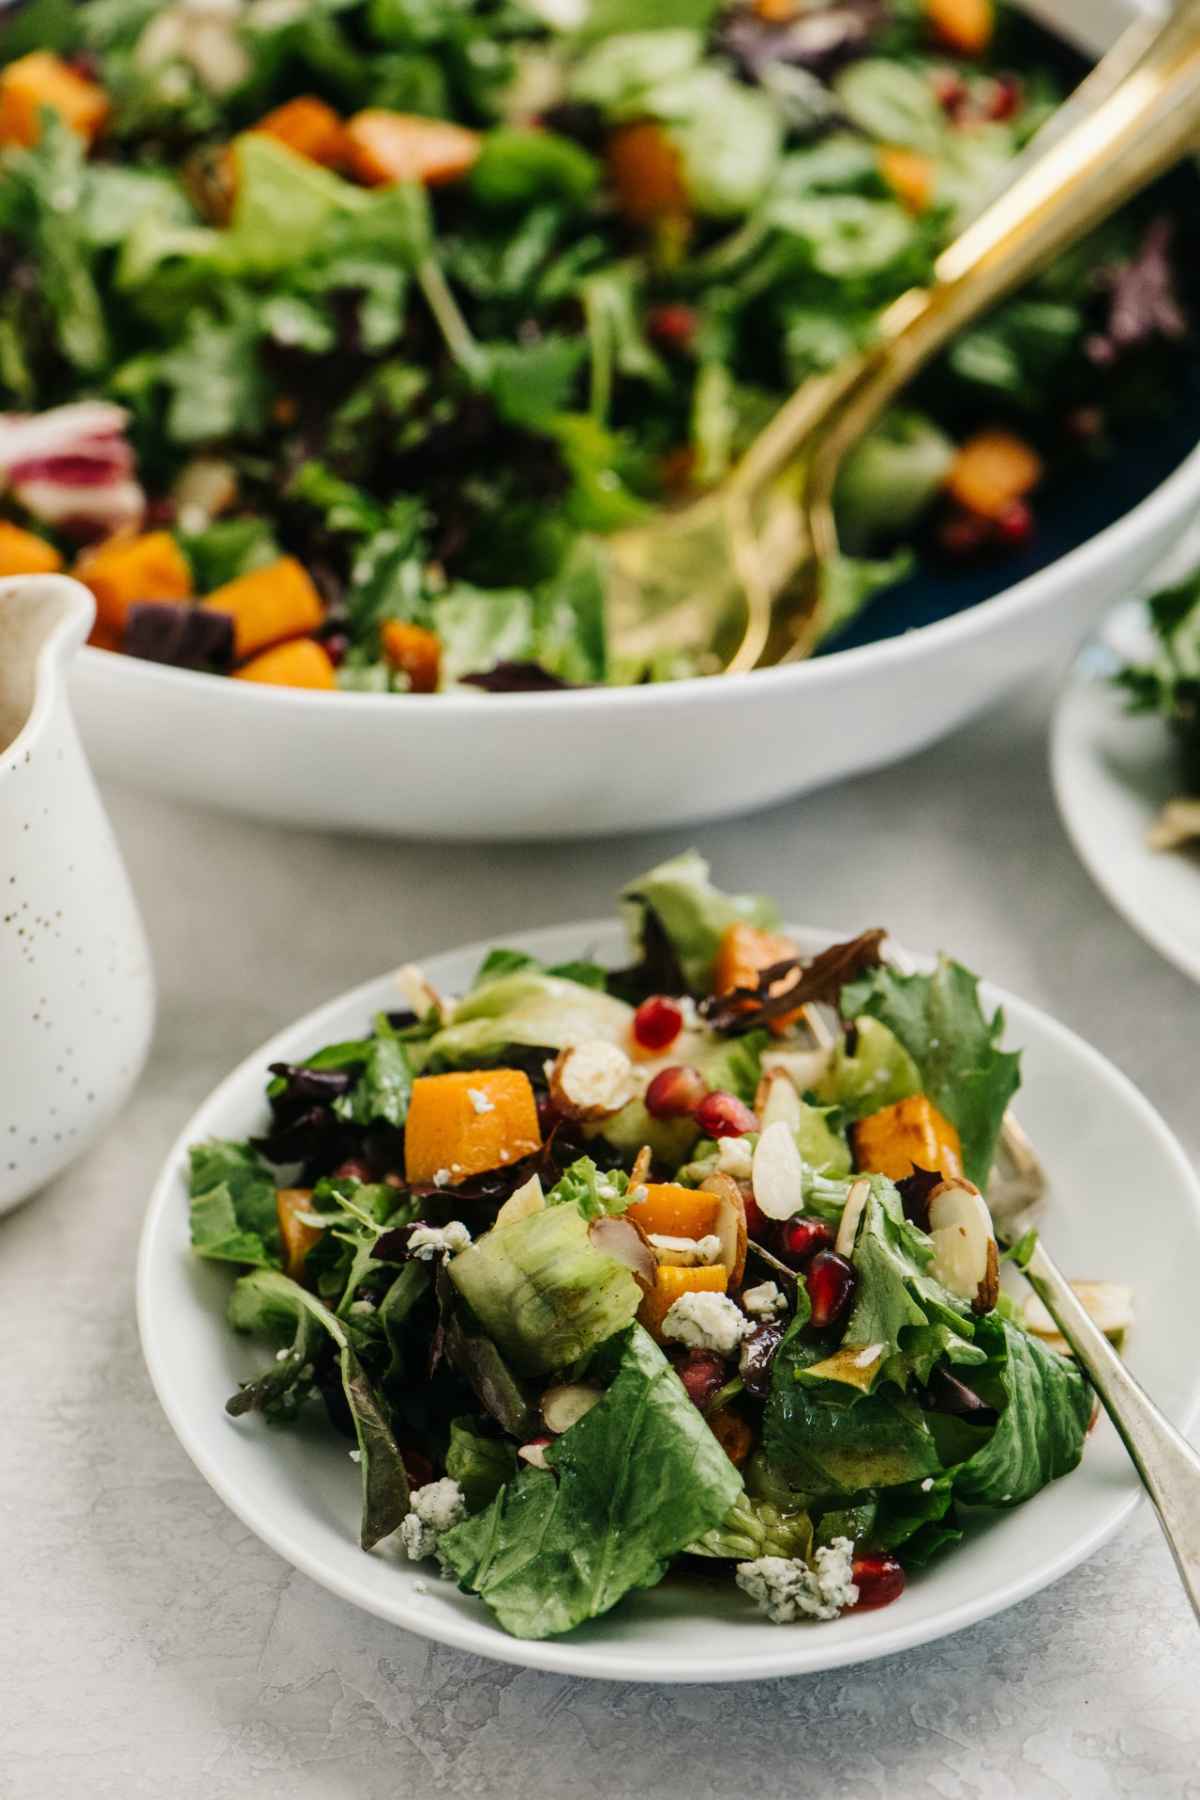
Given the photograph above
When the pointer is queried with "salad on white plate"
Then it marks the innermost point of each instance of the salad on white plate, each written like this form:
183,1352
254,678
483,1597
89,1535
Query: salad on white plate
604,1276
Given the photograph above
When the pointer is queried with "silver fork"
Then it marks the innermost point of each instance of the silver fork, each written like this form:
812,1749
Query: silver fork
1167,1465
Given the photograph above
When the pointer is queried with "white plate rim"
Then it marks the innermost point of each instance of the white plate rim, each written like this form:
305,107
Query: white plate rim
800,1652
1070,731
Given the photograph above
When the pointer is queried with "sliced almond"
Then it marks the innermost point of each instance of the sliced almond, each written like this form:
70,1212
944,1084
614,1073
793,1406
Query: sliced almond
685,1252
965,1258
419,995
564,1405
528,1198
778,1100
535,1453
592,1081
852,1212
1109,1304
626,1243
778,1175
639,1175
729,1225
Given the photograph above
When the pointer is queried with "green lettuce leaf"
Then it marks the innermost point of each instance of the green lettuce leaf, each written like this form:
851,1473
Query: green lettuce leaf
384,1088
232,1205
691,911
1041,1431
940,1023
528,1006
597,1193
480,1464
633,1483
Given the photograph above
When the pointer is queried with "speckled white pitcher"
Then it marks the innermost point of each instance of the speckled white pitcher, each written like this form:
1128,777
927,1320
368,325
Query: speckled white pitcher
76,985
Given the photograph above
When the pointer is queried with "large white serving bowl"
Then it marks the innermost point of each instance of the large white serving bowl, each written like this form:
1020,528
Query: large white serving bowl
476,766
1107,1154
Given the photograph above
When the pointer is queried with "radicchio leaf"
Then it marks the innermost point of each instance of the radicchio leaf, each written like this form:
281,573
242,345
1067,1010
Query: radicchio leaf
794,982
1143,300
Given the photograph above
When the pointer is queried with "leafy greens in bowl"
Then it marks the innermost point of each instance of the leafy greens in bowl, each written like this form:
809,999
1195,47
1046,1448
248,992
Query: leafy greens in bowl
602,1274
340,336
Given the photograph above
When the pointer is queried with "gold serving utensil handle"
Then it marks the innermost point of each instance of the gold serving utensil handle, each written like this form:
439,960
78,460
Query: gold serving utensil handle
779,499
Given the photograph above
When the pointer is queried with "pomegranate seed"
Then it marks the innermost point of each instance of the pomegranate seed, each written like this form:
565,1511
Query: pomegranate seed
673,325
950,91
418,1468
879,1580
758,1226
1015,524
353,1169
1004,98
336,646
1085,423
703,1373
830,1281
724,1115
657,1022
675,1093
800,1239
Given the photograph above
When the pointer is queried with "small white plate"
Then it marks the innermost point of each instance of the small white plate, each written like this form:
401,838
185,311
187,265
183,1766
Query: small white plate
1113,773
1106,1151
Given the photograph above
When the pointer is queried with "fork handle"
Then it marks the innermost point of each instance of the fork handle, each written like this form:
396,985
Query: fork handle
1168,1466
1143,124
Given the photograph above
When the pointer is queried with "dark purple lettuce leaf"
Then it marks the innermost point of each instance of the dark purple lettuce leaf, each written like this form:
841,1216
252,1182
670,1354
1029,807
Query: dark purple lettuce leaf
1144,301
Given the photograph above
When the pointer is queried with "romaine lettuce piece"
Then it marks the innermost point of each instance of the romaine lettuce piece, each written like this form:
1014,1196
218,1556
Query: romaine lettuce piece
638,1479
939,1021
543,1291
691,911
529,1006
1040,1433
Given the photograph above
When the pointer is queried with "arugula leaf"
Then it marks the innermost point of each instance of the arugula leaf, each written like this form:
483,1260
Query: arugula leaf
216,384
939,1021
43,192
232,1212
1041,1431
517,168
270,1302
532,383
633,1483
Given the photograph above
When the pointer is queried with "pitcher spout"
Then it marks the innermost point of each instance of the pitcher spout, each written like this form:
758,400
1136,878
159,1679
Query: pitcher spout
44,619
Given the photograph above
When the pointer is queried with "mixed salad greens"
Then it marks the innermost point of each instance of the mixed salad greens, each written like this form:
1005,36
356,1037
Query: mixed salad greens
607,1273
360,322
1169,685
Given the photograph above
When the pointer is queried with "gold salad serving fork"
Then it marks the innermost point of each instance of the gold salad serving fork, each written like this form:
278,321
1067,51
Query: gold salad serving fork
737,576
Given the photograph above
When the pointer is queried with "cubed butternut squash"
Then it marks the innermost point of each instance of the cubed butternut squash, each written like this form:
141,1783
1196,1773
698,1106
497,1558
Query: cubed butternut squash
466,1123
40,81
269,604
298,1237
383,148
301,664
673,1211
910,1134
310,128
991,471
742,955
414,651
24,553
963,25
670,1282
646,171
128,569
910,175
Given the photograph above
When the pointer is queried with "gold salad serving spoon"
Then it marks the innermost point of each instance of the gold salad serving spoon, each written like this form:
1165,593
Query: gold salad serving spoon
736,577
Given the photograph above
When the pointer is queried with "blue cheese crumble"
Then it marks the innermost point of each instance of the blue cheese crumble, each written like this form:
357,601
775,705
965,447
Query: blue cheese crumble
788,1590
428,1241
436,1507
706,1322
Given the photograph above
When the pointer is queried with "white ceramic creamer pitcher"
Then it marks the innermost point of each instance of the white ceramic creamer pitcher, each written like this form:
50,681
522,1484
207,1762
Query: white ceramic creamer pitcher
76,985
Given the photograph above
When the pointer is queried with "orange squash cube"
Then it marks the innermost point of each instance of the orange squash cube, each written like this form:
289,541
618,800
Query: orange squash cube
963,25
301,664
310,128
43,80
128,569
24,553
466,1123
673,1211
384,148
910,176
670,1282
742,955
645,169
415,652
908,1135
269,604
298,1237
993,469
